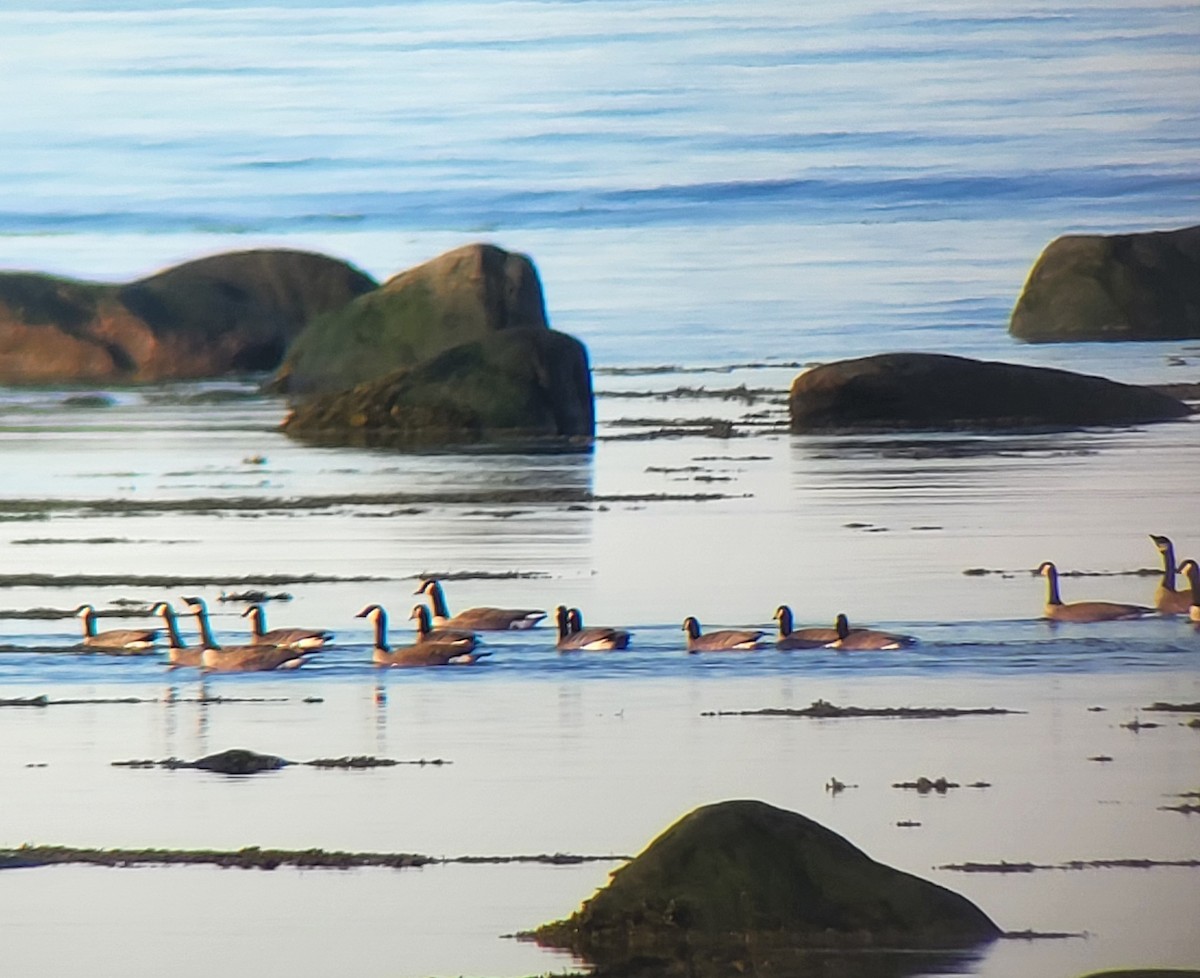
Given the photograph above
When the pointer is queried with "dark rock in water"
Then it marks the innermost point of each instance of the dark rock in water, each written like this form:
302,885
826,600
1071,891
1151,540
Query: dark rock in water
515,384
239,761
225,314
462,296
893,391
743,886
1117,287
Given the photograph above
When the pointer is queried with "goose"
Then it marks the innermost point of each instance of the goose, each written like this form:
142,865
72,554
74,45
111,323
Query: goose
239,658
1056,610
420,654
476,619
287,638
573,637
178,653
867,638
1167,599
1191,570
463,639
115,641
725,640
801,638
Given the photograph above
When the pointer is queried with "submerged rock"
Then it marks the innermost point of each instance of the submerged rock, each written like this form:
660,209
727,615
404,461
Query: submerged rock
463,296
747,886
225,314
238,760
893,391
1113,287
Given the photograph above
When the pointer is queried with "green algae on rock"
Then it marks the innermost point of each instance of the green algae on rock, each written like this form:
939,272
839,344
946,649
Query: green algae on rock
743,878
518,384
1142,286
459,297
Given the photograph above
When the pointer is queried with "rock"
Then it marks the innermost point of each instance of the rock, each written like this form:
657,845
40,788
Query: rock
515,384
460,297
935,391
239,761
744,886
225,314
1117,287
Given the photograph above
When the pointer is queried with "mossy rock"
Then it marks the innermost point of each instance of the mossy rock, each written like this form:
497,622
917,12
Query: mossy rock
1113,287
515,385
932,391
459,297
225,314
744,883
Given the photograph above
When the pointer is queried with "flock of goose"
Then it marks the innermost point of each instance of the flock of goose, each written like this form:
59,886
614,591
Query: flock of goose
1168,600
444,639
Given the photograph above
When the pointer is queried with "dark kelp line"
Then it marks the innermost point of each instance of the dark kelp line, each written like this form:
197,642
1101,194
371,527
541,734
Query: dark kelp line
43,508
822,710
43,700
253,857
240,761
176,580
1074,864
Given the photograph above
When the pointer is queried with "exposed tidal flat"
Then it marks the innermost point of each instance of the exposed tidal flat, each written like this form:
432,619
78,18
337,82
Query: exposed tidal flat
120,502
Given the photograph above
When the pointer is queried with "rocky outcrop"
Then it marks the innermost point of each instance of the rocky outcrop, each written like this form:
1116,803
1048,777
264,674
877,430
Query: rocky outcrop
897,391
225,314
462,296
1117,287
744,887
515,384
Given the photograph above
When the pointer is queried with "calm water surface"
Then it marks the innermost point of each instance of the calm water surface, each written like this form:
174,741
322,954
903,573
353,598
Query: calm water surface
700,186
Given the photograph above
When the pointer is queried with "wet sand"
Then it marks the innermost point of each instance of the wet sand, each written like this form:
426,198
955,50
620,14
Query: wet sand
589,754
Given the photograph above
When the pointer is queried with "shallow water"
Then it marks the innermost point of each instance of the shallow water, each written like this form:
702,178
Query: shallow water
732,192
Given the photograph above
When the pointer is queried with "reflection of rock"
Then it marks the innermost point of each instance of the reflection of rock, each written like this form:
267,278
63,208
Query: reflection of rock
1116,287
934,391
512,384
462,296
229,313
744,886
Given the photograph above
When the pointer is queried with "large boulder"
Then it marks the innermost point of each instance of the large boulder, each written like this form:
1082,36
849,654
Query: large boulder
459,297
892,391
225,314
744,885
516,384
1117,287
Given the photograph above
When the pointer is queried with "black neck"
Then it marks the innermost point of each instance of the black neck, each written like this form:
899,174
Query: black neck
168,616
1168,578
381,630
206,635
437,597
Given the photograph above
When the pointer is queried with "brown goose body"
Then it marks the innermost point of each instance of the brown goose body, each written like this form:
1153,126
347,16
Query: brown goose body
850,639
723,640
178,653
115,641
418,655
1167,599
573,636
800,638
239,658
287,638
1191,571
1083,611
484,619
461,638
